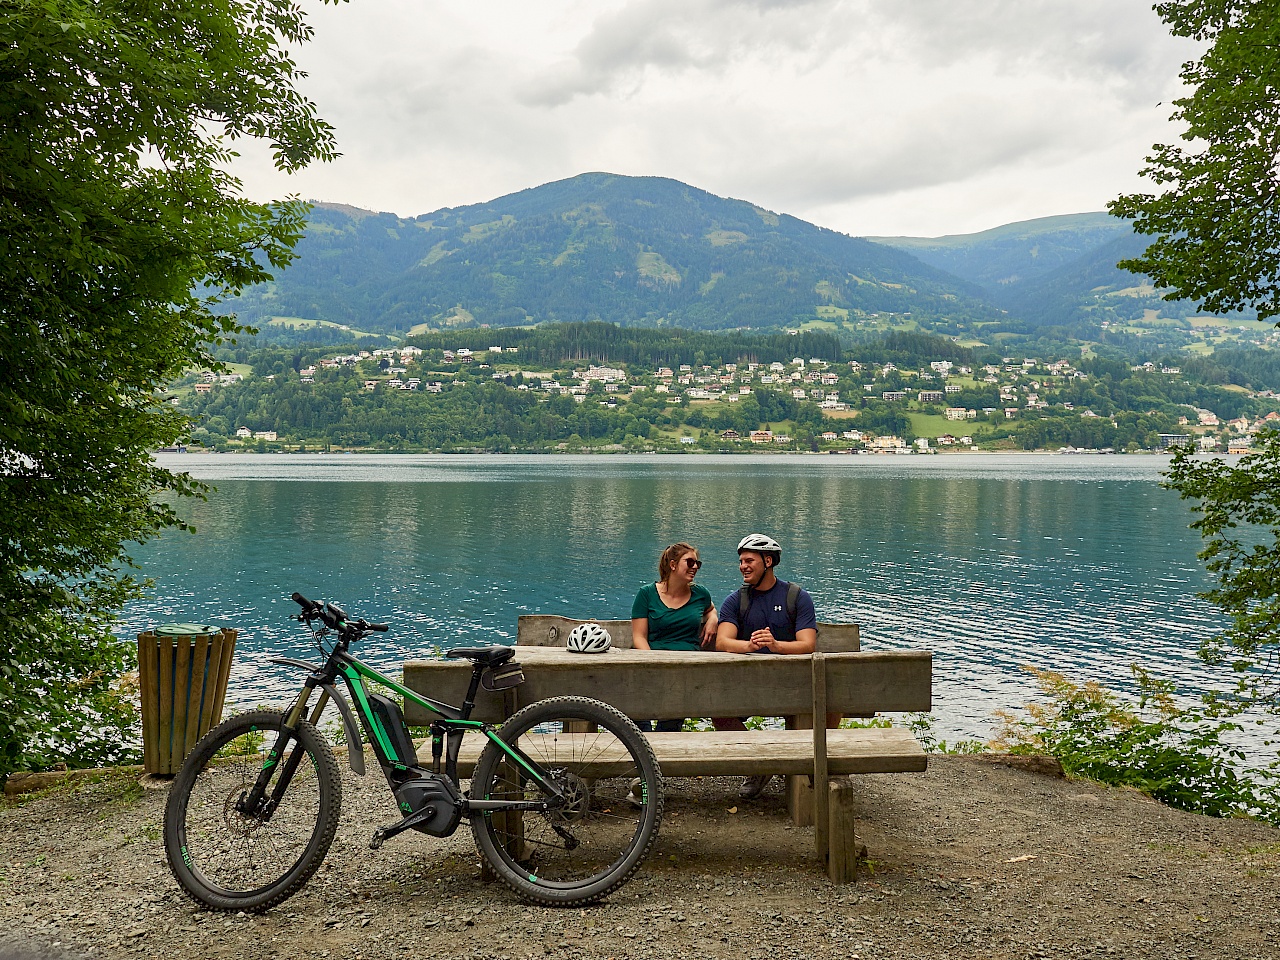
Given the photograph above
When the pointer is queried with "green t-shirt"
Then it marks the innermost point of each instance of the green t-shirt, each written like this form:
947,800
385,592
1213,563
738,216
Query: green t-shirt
672,629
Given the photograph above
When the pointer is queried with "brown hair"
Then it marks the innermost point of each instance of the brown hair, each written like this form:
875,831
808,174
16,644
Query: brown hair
667,562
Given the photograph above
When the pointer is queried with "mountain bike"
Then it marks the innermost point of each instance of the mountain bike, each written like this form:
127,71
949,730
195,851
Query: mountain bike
564,803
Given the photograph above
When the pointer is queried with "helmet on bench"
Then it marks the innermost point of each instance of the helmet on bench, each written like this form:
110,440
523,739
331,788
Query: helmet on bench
588,638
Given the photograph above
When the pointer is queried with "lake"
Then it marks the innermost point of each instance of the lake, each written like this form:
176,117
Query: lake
1081,564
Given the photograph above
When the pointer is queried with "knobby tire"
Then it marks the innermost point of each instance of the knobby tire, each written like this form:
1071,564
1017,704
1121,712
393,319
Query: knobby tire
229,861
596,754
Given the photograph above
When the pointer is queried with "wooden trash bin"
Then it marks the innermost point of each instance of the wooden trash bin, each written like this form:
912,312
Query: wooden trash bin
182,673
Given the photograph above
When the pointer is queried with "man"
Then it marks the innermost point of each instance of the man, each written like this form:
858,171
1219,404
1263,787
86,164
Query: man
766,615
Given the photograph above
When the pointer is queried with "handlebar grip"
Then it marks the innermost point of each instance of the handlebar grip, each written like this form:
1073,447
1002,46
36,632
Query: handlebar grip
378,627
302,601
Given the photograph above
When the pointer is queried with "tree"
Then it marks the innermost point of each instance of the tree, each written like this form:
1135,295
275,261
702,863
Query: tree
119,230
1217,227
1239,508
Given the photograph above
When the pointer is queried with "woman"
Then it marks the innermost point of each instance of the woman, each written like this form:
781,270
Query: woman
674,613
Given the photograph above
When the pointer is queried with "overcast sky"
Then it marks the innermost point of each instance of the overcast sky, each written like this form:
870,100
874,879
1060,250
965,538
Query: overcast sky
916,117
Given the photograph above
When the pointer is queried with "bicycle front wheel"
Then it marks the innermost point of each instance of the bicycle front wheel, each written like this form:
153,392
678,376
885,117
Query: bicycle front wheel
590,845
231,859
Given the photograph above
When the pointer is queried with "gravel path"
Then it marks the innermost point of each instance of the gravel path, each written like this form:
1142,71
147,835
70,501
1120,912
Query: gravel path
968,860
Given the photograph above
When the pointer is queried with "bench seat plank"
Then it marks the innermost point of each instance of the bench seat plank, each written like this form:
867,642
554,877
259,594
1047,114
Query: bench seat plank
730,753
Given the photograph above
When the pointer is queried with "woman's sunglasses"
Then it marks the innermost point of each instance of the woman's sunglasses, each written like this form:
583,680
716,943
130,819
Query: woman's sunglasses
692,564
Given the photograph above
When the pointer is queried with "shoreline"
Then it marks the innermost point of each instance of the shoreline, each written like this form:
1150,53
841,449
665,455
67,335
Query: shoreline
880,454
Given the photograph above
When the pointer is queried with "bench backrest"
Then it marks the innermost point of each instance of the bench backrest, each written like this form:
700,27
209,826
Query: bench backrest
657,685
548,631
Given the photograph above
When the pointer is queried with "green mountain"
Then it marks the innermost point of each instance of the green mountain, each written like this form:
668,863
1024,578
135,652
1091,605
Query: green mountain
1054,271
631,250
1016,253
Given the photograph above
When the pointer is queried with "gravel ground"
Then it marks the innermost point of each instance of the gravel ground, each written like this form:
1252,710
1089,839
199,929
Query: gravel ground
967,860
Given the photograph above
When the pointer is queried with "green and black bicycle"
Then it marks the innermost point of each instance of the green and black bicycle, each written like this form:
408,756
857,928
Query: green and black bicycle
565,799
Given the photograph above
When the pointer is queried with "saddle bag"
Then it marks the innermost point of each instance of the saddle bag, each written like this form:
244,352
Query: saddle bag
503,677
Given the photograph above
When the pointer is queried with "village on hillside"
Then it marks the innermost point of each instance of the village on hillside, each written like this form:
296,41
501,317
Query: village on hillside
849,406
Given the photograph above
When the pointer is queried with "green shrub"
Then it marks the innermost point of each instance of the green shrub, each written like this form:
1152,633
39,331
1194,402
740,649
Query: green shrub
1175,754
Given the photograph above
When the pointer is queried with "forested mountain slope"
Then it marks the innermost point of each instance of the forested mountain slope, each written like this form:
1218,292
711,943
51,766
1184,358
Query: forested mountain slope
630,250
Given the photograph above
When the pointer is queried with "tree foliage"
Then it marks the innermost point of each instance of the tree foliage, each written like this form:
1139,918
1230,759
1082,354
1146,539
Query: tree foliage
1217,227
1239,519
119,228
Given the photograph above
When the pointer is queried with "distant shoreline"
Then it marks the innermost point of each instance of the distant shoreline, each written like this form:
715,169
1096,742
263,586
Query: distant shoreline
170,451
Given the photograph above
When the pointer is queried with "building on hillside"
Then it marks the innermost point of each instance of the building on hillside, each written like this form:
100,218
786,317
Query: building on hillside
931,396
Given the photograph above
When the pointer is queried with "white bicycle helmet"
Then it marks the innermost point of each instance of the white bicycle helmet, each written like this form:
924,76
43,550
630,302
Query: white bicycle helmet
759,543
588,638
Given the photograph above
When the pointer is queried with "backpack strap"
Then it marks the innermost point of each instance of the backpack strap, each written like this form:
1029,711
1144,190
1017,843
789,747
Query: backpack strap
793,598
744,602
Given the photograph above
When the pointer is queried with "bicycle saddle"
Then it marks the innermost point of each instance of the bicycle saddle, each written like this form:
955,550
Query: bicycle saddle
489,656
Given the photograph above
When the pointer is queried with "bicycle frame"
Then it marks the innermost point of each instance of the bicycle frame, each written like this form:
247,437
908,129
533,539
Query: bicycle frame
451,723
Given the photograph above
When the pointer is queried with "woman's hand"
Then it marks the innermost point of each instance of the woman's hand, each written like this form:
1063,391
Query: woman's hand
709,626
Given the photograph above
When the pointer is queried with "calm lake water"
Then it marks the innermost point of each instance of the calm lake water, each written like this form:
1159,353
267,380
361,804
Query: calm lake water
1081,564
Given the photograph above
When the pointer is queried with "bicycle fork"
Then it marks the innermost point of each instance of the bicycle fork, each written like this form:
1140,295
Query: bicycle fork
256,804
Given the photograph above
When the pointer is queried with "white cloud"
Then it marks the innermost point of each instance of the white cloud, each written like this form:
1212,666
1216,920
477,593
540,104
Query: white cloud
868,116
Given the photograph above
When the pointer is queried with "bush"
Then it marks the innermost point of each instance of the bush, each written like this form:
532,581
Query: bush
1174,754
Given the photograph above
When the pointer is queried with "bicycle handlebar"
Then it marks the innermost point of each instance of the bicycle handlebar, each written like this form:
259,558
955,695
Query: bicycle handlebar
334,616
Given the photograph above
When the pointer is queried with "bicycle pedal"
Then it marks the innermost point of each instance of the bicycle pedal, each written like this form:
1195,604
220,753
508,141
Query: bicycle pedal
378,837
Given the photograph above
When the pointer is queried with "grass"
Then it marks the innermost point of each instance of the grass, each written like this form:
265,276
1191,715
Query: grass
829,326
114,786
933,426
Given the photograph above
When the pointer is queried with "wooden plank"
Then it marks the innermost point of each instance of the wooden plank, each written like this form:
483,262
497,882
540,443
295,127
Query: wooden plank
164,738
224,674
661,684
182,684
547,631
204,676
872,750
820,755
150,695
211,683
842,852
538,630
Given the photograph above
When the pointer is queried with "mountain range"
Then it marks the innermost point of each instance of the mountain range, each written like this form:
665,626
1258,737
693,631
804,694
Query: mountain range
652,251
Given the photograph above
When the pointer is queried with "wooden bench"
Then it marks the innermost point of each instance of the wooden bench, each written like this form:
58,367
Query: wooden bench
659,685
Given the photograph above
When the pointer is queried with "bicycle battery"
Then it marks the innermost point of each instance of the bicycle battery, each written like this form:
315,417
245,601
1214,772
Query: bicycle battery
387,713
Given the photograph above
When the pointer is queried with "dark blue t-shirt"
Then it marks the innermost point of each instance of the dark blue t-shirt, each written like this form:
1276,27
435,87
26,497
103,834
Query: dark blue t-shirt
769,609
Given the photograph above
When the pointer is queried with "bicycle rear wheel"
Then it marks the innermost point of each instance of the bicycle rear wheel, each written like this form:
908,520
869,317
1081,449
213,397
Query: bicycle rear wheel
591,845
231,860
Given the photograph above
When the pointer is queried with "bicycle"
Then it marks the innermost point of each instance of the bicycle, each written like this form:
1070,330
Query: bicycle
564,803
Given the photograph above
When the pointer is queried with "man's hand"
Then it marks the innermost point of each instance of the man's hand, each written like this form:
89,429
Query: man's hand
763,640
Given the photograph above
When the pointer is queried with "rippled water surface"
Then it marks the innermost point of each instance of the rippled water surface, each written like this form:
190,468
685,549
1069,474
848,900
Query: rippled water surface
1077,563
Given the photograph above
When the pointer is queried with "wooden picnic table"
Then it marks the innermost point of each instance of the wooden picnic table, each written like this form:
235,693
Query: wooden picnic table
658,684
